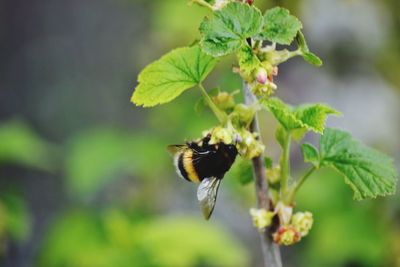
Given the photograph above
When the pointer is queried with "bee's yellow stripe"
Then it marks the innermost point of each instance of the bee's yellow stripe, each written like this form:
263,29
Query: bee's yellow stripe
188,165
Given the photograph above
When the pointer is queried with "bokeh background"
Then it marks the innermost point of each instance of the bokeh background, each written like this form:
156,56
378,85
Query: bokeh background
85,179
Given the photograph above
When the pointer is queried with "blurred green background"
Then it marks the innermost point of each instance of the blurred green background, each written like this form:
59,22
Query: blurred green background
85,179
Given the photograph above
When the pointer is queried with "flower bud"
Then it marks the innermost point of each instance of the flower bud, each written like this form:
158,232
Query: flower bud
286,235
303,222
261,76
219,134
250,147
284,212
261,218
224,100
274,174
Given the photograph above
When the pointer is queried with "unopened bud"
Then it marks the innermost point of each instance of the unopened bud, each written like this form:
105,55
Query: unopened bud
224,100
273,174
261,76
244,114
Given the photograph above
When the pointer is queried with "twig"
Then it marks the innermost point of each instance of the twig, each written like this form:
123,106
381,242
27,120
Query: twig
272,257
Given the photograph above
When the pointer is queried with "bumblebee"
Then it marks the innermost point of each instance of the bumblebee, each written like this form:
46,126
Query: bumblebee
205,164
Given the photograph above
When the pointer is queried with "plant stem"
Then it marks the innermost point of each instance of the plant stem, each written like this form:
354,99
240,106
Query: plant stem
285,163
203,3
272,257
221,116
299,183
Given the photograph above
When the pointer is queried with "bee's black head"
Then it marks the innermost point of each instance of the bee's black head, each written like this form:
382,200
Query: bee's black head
229,150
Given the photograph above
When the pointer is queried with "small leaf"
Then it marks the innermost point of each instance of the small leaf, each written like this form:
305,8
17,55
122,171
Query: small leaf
229,27
248,61
312,59
279,26
367,171
310,154
305,51
165,79
311,116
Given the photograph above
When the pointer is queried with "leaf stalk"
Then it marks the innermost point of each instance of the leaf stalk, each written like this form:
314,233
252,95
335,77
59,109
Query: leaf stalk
285,163
299,183
221,116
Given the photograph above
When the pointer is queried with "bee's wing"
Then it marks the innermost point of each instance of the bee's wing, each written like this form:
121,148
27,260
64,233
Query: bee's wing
207,195
173,149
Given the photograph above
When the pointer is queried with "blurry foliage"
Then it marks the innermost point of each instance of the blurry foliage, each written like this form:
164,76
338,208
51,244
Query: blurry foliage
82,238
19,144
179,18
388,59
15,220
345,231
15,217
98,156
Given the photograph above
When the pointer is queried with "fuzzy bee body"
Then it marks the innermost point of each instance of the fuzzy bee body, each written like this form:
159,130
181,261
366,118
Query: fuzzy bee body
204,163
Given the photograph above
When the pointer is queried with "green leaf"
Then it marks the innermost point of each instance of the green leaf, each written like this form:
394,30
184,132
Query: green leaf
229,27
279,26
367,171
314,116
165,79
312,58
305,51
310,116
310,154
248,61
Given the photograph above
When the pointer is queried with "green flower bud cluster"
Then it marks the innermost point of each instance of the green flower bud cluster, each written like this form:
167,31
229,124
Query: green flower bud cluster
303,222
224,135
299,226
273,174
263,84
236,129
286,235
246,142
249,147
224,100
261,218
293,227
